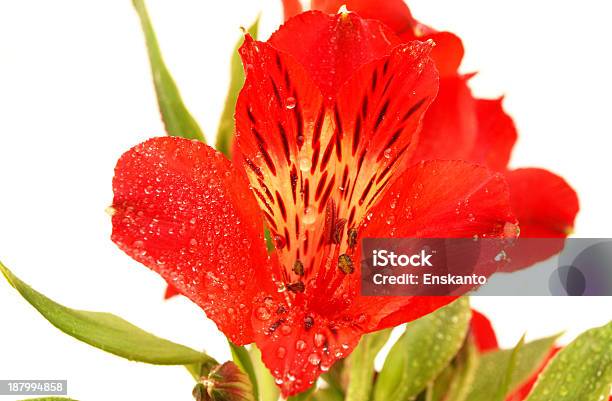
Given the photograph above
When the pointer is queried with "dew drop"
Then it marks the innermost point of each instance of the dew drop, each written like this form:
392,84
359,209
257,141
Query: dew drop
193,242
290,103
304,163
285,330
314,359
262,313
281,352
387,153
300,345
500,256
319,339
309,215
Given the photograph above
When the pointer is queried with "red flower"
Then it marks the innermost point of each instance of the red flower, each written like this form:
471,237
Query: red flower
459,126
326,124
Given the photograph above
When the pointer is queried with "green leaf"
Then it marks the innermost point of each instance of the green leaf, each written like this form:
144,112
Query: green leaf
361,365
304,395
241,357
454,382
422,352
108,332
493,374
268,391
177,119
327,394
582,371
504,388
225,132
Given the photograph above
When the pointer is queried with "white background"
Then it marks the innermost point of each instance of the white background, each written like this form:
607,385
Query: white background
75,92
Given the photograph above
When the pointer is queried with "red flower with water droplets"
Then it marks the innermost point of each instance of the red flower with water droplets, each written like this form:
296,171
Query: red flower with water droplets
326,127
459,126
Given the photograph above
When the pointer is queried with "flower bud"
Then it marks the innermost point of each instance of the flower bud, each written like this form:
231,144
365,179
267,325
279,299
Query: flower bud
225,382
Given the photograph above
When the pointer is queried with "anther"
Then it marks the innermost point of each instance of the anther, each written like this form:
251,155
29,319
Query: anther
352,237
298,268
345,264
298,286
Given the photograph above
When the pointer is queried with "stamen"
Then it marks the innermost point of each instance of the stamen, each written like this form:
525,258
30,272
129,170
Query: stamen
298,268
275,325
339,230
352,237
298,286
345,264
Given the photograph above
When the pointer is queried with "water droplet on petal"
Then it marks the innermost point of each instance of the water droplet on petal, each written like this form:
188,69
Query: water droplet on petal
281,352
262,313
290,103
304,163
314,359
319,339
300,345
309,215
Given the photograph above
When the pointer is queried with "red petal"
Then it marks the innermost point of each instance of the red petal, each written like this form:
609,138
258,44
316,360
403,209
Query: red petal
182,210
171,292
394,13
450,127
496,135
332,47
407,309
443,199
291,8
298,345
482,330
437,199
546,207
312,161
448,52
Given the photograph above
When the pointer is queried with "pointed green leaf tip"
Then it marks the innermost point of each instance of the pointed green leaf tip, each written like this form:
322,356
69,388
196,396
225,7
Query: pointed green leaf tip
108,332
582,371
177,119
225,133
508,369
